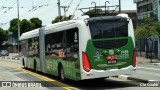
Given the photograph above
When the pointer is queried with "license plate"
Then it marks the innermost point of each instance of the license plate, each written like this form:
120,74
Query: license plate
111,60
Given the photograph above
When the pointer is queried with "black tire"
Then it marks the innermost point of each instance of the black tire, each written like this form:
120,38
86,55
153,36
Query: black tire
23,63
35,65
61,74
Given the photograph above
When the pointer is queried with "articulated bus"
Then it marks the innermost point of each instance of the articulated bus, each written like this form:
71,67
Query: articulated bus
86,48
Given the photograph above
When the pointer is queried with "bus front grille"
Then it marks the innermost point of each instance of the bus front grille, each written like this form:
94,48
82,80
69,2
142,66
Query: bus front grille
110,44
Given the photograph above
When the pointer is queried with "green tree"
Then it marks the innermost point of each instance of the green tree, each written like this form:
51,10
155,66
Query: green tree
147,28
56,20
61,18
94,12
35,23
25,26
14,27
3,35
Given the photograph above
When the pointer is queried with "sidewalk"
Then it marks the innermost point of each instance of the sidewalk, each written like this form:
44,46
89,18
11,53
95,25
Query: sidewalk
14,56
142,60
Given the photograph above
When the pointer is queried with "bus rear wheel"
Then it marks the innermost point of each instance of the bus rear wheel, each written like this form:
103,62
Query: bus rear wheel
61,74
35,65
23,63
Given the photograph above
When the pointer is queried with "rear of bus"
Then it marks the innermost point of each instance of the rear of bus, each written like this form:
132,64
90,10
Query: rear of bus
110,47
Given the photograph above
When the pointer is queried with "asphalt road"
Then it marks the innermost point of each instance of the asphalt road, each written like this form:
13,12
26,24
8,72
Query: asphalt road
147,72
11,70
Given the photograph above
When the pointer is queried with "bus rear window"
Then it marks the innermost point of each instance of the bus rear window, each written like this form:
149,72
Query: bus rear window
108,29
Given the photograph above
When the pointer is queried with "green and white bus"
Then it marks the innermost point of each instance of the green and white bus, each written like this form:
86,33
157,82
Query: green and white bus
85,48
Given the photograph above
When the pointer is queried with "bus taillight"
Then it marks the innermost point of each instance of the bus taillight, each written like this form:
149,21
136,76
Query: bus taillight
134,58
86,64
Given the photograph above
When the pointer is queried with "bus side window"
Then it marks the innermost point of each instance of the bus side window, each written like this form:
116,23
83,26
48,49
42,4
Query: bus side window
72,47
53,44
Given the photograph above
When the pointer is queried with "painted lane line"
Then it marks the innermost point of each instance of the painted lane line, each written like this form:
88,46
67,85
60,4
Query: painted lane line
44,78
65,86
153,80
149,68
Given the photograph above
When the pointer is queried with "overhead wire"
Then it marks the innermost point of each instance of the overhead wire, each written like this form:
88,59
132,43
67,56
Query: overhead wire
4,2
2,6
35,7
44,13
64,1
30,11
8,9
2,24
67,10
76,9
10,3
39,5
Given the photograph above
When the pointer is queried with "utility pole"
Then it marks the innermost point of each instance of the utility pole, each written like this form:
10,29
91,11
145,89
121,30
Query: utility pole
119,6
64,8
59,8
18,27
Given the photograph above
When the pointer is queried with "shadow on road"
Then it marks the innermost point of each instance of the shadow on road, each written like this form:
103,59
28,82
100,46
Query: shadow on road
93,84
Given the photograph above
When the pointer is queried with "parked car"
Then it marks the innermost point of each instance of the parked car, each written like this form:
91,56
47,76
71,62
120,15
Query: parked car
4,53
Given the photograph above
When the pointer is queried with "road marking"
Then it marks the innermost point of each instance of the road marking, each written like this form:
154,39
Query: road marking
153,80
149,68
65,86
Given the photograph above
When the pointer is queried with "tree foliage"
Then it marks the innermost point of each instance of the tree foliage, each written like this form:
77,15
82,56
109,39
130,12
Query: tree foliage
25,25
14,27
56,20
61,18
35,23
147,27
94,12
3,35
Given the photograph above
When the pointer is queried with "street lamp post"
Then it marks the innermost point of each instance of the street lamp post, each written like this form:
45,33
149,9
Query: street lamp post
18,27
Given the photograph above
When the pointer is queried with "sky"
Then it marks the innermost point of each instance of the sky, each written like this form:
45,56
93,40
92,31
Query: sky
47,10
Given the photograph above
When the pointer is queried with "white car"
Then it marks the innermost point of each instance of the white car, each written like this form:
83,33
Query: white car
4,53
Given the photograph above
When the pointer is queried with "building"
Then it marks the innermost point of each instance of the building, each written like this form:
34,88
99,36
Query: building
10,44
148,8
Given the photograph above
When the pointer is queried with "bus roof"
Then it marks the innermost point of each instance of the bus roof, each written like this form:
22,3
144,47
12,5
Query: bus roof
61,26
30,34
48,29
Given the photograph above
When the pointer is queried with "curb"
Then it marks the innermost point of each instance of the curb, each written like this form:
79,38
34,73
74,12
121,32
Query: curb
124,77
156,64
138,79
10,58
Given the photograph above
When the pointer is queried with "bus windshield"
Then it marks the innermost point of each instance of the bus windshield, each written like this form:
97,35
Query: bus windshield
108,28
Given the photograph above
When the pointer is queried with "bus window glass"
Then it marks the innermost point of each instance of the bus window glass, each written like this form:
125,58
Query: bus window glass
108,29
72,48
54,45
33,47
24,49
